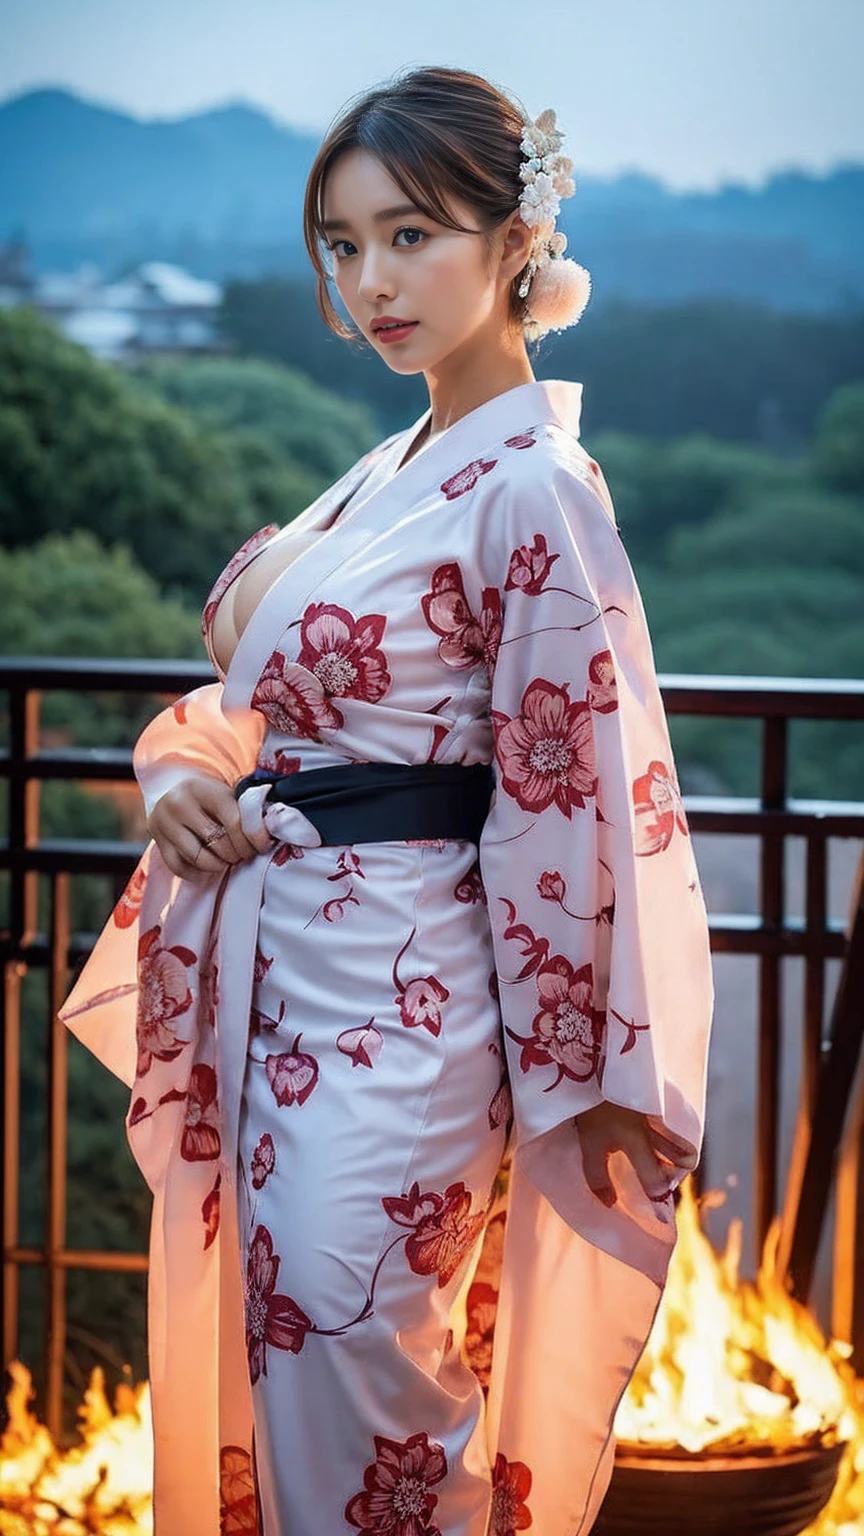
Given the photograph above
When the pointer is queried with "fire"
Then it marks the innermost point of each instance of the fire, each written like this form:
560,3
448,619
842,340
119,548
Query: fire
102,1485
730,1366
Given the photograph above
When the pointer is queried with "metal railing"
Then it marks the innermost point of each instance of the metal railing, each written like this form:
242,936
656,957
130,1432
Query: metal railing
828,1054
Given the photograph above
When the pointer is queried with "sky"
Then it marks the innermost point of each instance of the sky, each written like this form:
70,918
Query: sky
696,92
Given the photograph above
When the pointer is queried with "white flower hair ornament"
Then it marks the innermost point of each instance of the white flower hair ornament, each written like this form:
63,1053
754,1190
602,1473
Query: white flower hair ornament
559,287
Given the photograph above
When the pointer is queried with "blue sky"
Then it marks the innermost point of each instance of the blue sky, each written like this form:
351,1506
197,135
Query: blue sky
697,92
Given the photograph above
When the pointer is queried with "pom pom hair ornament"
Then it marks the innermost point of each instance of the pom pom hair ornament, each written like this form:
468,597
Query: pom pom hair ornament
559,287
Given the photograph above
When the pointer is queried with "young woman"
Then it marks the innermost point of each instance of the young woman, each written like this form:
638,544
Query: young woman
344,982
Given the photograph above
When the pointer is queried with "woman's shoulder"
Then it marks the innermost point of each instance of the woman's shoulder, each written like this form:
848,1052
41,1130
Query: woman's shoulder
544,472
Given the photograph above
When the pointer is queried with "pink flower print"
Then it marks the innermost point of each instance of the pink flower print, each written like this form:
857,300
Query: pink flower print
551,886
238,1504
129,905
262,964
443,1231
396,1500
659,809
200,1140
534,948
482,1309
163,996
529,567
294,700
465,479
285,852
420,999
232,569
602,692
263,1161
521,440
210,1213
292,1075
343,652
511,1485
568,1029
279,762
546,752
270,1318
465,640
363,1045
420,1003
259,1020
470,889
500,1109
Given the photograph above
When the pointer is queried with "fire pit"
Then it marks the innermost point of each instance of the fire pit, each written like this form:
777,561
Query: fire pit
740,1412
750,1495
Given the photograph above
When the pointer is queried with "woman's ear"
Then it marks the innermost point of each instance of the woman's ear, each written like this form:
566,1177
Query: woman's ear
516,247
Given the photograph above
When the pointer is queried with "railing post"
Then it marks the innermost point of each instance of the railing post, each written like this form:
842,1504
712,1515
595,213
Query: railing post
773,905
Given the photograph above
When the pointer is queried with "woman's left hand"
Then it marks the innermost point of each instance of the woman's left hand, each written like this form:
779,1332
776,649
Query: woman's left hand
609,1128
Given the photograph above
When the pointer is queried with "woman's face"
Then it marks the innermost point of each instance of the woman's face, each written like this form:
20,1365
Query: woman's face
389,259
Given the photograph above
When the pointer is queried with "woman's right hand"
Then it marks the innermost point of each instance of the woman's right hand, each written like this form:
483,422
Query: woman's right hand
186,814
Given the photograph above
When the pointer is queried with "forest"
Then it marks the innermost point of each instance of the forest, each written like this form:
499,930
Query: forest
732,440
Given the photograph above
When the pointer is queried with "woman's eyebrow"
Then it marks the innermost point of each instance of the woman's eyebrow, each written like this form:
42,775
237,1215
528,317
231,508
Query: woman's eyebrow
378,218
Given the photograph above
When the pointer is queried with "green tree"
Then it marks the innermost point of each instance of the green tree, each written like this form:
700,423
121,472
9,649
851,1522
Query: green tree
838,443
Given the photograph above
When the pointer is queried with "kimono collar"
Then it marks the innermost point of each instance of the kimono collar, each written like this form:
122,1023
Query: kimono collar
539,402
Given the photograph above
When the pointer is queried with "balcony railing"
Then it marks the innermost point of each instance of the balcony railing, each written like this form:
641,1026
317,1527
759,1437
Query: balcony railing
829,1049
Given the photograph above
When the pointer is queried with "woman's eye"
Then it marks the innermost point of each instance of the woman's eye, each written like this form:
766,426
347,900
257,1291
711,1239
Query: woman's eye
409,231
332,247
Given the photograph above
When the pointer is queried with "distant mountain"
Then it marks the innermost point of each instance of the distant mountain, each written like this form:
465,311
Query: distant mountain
221,192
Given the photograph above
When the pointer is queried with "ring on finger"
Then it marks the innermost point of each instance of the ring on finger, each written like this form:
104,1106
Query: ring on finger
212,836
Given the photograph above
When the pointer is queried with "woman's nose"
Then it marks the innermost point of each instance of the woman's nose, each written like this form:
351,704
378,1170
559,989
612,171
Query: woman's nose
376,277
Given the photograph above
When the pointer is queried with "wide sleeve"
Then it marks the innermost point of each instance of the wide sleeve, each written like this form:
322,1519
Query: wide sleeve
598,921
196,735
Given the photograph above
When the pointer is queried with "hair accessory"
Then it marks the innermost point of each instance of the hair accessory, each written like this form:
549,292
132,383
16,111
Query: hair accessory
561,287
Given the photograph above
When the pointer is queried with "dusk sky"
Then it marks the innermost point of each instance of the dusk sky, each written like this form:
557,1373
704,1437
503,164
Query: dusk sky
697,92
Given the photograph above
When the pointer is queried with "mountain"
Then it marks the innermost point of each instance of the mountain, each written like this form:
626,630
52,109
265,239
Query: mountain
221,192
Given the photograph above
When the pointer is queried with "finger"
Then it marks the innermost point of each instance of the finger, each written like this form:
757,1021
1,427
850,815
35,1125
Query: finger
217,801
650,1172
179,866
595,1165
189,848
682,1156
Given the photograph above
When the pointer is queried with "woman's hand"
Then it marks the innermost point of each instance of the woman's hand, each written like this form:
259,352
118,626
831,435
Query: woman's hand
191,811
609,1128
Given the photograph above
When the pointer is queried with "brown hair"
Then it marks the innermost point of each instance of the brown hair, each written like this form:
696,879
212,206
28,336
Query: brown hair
439,133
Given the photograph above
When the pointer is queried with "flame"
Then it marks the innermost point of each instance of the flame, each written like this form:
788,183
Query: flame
102,1485
729,1366
732,1366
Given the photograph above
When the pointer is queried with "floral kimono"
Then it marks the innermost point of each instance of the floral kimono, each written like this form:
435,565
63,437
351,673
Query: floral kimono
330,1049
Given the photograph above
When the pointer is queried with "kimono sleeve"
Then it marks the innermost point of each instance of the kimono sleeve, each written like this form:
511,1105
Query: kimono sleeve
196,735
599,926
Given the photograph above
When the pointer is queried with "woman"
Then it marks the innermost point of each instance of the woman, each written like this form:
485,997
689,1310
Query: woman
356,989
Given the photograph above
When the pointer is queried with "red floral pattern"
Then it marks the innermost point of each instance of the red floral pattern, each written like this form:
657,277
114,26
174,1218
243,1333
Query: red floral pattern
279,762
200,1141
470,889
443,1231
344,653
465,640
521,440
482,1301
210,1212
163,996
129,905
511,1485
363,1045
238,1504
292,1075
602,691
546,752
659,809
396,1500
270,1318
294,700
420,999
529,567
263,1161
569,1032
465,479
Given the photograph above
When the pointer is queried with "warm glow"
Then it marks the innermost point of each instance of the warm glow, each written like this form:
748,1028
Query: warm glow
730,1366
733,1366
103,1484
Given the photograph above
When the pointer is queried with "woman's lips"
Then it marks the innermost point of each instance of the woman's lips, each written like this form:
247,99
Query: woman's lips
397,332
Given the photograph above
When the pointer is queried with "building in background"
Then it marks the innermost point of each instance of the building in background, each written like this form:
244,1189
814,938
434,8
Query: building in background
156,309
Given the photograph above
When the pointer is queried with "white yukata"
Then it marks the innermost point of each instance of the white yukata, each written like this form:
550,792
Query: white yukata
327,1046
